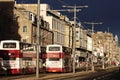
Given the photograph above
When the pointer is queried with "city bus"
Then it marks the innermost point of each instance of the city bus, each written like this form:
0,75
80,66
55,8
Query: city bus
58,58
19,57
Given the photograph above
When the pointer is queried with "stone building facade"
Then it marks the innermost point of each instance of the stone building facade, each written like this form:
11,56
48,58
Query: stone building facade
105,45
57,24
27,27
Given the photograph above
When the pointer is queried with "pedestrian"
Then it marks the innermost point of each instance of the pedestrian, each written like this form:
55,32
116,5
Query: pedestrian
44,67
3,68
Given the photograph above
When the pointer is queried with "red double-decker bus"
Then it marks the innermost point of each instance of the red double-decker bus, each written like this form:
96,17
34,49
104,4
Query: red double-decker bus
18,57
58,58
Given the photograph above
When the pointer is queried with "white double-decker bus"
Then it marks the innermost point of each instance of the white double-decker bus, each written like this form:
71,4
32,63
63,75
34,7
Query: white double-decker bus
19,57
58,58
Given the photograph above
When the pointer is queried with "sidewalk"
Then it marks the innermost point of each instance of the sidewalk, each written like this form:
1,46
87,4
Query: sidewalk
50,76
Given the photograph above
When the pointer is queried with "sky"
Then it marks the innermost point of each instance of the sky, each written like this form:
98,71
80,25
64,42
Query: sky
105,11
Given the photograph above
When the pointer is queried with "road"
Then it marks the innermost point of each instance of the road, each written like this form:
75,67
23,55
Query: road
98,74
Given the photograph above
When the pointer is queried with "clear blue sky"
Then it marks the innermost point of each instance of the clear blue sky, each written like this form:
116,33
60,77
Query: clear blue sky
105,11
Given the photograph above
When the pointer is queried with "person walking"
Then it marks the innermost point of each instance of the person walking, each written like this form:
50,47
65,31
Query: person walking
3,68
44,67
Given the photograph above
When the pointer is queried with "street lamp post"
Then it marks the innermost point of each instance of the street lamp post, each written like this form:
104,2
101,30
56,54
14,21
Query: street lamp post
74,9
103,56
38,39
103,59
92,23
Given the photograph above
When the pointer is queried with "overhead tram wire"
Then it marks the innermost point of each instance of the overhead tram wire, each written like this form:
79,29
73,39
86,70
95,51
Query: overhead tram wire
62,2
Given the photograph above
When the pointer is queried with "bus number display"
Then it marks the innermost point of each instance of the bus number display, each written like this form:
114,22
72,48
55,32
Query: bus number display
54,48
